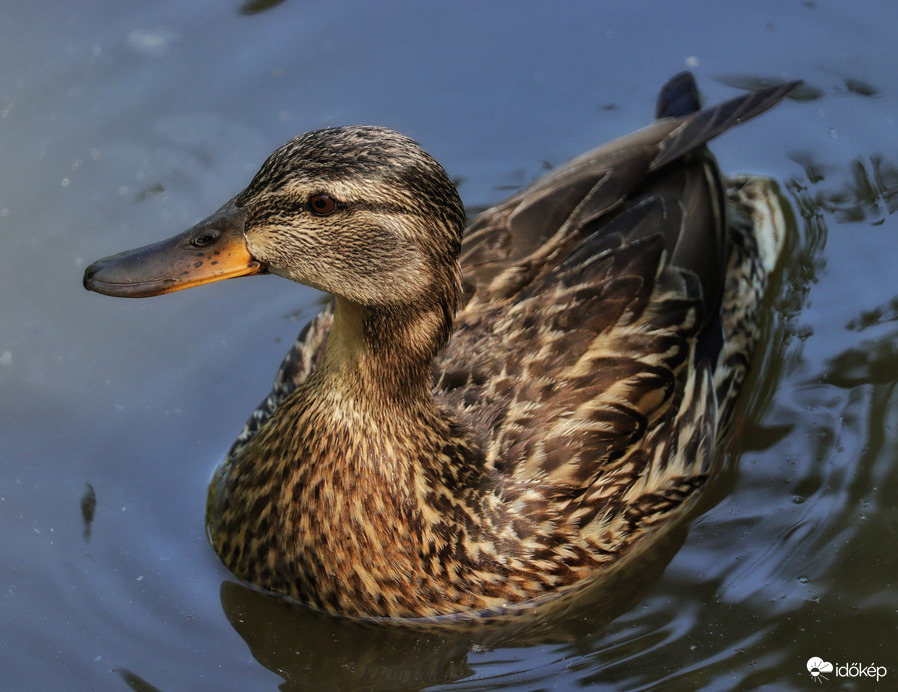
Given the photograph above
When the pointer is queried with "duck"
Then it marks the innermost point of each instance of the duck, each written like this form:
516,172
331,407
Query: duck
483,416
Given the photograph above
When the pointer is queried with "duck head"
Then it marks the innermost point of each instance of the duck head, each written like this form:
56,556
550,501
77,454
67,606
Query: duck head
362,213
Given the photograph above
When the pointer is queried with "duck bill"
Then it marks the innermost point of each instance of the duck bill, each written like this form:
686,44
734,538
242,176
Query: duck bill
212,250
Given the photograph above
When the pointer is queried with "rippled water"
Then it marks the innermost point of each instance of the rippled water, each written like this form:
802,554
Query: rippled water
124,125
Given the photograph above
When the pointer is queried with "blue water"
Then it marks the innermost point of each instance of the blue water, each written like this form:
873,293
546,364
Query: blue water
122,125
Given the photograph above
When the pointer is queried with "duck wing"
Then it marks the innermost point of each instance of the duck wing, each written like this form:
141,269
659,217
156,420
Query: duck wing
590,328
510,245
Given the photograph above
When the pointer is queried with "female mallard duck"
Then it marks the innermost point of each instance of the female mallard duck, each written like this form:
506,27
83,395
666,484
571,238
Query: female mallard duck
481,417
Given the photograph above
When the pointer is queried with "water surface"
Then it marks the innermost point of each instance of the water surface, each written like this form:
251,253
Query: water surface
123,125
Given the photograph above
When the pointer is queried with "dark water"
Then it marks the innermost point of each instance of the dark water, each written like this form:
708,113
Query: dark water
123,125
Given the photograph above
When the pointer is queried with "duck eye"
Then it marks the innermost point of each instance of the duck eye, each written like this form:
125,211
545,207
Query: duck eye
322,205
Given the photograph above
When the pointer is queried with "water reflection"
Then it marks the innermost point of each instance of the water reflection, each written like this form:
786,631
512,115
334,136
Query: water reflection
753,82
135,682
874,361
887,312
311,650
256,6
852,86
869,191
88,507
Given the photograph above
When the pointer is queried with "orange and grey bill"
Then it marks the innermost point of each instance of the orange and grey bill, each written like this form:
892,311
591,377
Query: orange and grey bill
212,250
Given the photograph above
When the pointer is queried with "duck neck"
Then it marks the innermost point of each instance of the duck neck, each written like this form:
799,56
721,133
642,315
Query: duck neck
383,354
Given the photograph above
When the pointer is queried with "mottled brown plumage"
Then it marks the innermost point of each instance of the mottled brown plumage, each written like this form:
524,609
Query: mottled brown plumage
452,436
